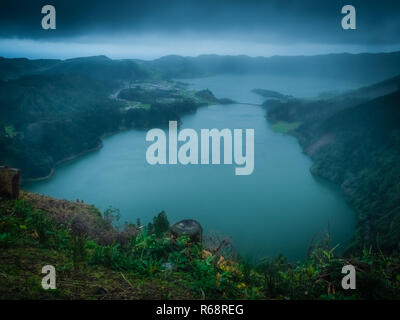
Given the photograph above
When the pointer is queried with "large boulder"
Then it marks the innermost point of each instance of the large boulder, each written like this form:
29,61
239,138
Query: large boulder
189,227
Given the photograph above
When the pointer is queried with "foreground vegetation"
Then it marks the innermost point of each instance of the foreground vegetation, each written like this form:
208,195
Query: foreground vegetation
94,260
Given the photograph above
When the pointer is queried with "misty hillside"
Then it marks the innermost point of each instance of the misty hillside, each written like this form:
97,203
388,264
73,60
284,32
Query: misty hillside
52,116
97,67
354,141
100,68
378,89
366,67
312,111
357,67
14,68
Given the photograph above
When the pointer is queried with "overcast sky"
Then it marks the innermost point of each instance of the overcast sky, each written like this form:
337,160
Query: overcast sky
151,28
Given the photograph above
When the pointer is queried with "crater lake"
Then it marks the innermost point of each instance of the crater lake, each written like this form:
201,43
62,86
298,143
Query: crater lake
277,209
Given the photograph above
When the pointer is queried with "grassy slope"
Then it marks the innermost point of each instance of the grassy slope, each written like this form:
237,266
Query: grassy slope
22,260
20,278
37,231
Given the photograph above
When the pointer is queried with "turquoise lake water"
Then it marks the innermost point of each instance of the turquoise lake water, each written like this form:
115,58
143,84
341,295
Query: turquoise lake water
277,209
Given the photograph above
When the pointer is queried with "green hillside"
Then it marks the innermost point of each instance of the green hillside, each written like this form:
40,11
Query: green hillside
354,141
366,68
48,118
14,68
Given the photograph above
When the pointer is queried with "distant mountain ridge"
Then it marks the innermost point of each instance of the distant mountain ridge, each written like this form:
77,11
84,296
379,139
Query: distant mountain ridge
368,67
100,68
17,67
364,67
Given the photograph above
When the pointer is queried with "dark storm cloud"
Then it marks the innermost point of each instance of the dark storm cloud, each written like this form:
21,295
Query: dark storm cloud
151,28
307,20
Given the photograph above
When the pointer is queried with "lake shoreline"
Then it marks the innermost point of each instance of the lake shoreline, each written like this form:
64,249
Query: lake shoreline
120,177
75,156
84,152
70,158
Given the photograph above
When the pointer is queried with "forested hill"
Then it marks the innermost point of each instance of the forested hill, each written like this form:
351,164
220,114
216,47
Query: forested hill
100,68
97,67
365,68
354,140
14,68
59,113
47,118
360,149
313,111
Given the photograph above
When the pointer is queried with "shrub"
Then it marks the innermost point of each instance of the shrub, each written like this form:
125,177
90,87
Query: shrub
160,224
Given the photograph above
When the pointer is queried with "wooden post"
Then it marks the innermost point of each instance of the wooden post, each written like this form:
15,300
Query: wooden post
9,182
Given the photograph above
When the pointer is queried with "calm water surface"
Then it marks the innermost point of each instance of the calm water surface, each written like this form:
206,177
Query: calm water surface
275,210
